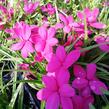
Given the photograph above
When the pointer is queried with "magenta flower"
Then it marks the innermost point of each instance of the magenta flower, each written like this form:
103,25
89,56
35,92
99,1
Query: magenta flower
30,7
91,18
22,31
101,40
5,16
69,25
46,41
62,60
87,80
55,93
48,8
81,102
67,20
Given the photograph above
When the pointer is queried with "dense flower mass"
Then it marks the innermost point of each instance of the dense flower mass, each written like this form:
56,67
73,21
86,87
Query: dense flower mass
55,93
68,50
46,41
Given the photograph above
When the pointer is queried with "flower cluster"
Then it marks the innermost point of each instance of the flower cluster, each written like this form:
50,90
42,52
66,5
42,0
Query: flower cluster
60,46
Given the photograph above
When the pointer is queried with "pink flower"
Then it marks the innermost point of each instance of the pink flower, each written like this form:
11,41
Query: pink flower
48,8
69,24
51,9
91,18
87,80
6,13
22,31
30,7
62,60
24,66
67,20
101,40
80,102
55,93
46,41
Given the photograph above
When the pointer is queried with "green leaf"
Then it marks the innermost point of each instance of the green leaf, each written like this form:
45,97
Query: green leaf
1,78
106,107
42,105
20,98
100,57
14,97
91,106
93,46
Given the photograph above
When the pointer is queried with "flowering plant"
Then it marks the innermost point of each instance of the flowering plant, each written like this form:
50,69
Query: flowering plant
55,52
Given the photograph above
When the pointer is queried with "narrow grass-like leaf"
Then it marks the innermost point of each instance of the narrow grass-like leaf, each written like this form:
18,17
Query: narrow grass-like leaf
100,57
1,77
42,105
14,97
20,98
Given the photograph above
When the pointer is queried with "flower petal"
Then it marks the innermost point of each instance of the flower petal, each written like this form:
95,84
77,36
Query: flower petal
80,83
87,101
70,19
26,31
63,77
61,53
27,48
67,29
87,12
17,46
80,15
52,41
63,18
51,32
95,13
86,92
101,39
66,103
79,71
66,91
43,32
91,70
43,94
40,45
77,102
58,26
71,58
53,101
98,25
97,87
53,64
50,82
